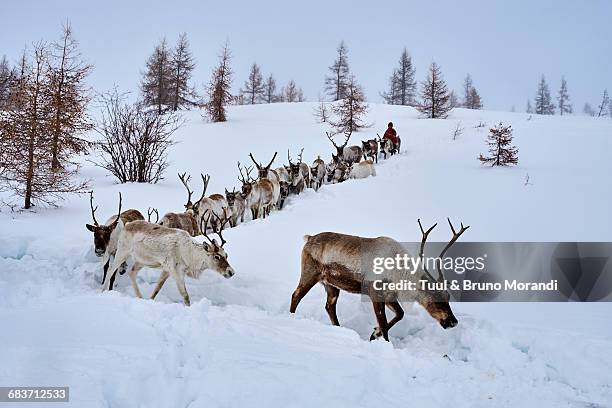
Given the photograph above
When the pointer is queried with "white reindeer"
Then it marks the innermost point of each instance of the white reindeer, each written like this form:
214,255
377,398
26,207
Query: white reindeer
171,250
362,170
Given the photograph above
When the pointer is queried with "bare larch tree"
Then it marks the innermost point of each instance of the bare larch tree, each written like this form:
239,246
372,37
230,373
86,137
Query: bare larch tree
602,108
543,101
270,90
219,87
157,78
501,150
435,97
182,92
336,83
351,110
402,85
563,99
26,130
69,99
471,97
292,93
254,89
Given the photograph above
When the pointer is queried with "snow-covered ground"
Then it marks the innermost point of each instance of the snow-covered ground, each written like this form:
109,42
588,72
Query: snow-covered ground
237,345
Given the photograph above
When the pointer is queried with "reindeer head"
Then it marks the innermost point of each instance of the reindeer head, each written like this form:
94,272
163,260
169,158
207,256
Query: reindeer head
102,233
330,170
294,168
247,181
216,256
436,304
436,301
314,171
263,170
230,197
365,145
284,190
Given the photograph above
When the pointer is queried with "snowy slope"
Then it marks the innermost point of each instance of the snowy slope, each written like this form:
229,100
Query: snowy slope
238,346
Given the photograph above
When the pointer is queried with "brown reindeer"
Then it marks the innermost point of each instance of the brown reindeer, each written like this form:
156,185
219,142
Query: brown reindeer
215,203
335,260
350,154
250,191
370,149
265,172
187,220
298,182
317,173
106,236
236,206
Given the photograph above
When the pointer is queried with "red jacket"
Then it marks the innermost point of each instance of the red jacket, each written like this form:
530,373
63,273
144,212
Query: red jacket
391,134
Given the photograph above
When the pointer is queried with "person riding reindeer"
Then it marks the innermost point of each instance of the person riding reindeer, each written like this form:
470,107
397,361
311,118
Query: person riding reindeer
392,136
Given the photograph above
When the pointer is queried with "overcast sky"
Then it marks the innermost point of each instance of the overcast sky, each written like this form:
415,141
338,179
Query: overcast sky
505,45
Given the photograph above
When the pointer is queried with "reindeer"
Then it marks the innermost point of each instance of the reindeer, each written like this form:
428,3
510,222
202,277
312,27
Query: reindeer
317,172
387,147
370,149
216,204
284,193
265,173
187,220
236,206
362,170
337,171
250,191
296,175
106,236
173,251
350,154
335,261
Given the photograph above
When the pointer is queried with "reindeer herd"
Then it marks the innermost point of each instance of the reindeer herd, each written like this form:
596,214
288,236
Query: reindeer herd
167,243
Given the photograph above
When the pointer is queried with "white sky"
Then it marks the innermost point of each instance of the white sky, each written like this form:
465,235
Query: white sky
506,46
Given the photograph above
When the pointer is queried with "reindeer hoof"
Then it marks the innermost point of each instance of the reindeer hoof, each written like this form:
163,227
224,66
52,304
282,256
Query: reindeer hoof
376,334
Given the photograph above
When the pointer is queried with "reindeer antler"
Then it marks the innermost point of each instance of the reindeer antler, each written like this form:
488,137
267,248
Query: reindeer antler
241,178
93,210
455,237
424,235
119,211
218,230
300,155
272,161
152,211
205,180
288,157
185,182
331,139
348,136
254,161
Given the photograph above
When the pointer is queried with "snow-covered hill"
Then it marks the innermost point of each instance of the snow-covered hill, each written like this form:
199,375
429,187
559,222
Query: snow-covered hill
237,344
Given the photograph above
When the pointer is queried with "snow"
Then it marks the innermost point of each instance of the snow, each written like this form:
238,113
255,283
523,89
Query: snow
237,345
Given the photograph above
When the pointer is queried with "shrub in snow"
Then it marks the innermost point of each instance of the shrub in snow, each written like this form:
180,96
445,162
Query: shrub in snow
501,150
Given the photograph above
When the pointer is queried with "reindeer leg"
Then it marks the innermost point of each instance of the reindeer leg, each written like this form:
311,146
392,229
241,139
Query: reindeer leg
330,305
160,282
179,277
399,313
132,274
119,259
299,292
105,266
381,318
